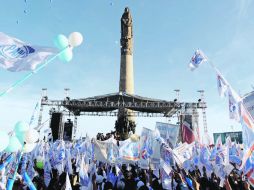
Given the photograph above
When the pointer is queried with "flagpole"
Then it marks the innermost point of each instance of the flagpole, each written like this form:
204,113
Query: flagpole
28,75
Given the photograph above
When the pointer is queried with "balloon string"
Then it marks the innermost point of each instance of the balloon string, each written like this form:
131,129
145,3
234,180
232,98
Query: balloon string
28,75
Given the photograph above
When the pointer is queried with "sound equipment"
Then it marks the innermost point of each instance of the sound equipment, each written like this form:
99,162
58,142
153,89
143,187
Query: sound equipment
68,126
56,125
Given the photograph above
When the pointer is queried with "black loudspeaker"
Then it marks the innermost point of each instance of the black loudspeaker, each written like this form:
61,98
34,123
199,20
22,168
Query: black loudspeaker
68,126
55,124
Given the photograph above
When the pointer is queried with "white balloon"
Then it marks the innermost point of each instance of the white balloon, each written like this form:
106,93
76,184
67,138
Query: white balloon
29,147
31,136
75,39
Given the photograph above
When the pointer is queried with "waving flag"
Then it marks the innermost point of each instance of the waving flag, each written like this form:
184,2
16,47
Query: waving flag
222,85
169,132
47,171
68,166
146,143
197,59
130,150
16,55
247,155
83,176
247,127
233,103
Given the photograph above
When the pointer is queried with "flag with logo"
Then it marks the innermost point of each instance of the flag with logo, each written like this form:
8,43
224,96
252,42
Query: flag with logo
247,127
248,153
83,175
16,55
197,59
129,150
249,171
68,166
169,132
233,104
146,143
47,171
222,85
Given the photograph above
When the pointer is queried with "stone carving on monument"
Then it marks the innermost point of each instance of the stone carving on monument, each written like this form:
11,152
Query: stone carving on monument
126,33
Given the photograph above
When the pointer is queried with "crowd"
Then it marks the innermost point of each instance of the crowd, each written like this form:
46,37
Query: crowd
61,165
133,178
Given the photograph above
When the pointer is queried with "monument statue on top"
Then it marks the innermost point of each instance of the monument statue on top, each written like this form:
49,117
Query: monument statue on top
126,33
126,124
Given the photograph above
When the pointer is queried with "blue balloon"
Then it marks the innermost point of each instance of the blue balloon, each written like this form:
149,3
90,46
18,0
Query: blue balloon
61,41
20,130
14,145
4,140
66,56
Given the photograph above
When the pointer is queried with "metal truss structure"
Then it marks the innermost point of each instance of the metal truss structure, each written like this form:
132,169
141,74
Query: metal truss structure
153,108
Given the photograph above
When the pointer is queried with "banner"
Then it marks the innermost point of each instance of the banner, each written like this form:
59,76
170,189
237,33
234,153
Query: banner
169,132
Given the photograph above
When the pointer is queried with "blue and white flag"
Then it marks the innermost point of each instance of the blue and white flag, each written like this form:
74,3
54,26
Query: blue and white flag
197,59
30,169
222,85
68,166
16,55
169,132
234,106
83,175
129,150
146,143
24,164
47,171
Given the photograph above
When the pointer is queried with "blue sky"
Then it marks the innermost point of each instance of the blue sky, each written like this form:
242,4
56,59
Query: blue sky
166,33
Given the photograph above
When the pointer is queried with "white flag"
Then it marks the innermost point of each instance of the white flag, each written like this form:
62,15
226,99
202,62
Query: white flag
67,183
16,55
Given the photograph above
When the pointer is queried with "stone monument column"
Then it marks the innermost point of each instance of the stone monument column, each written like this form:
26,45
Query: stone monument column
126,83
124,123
